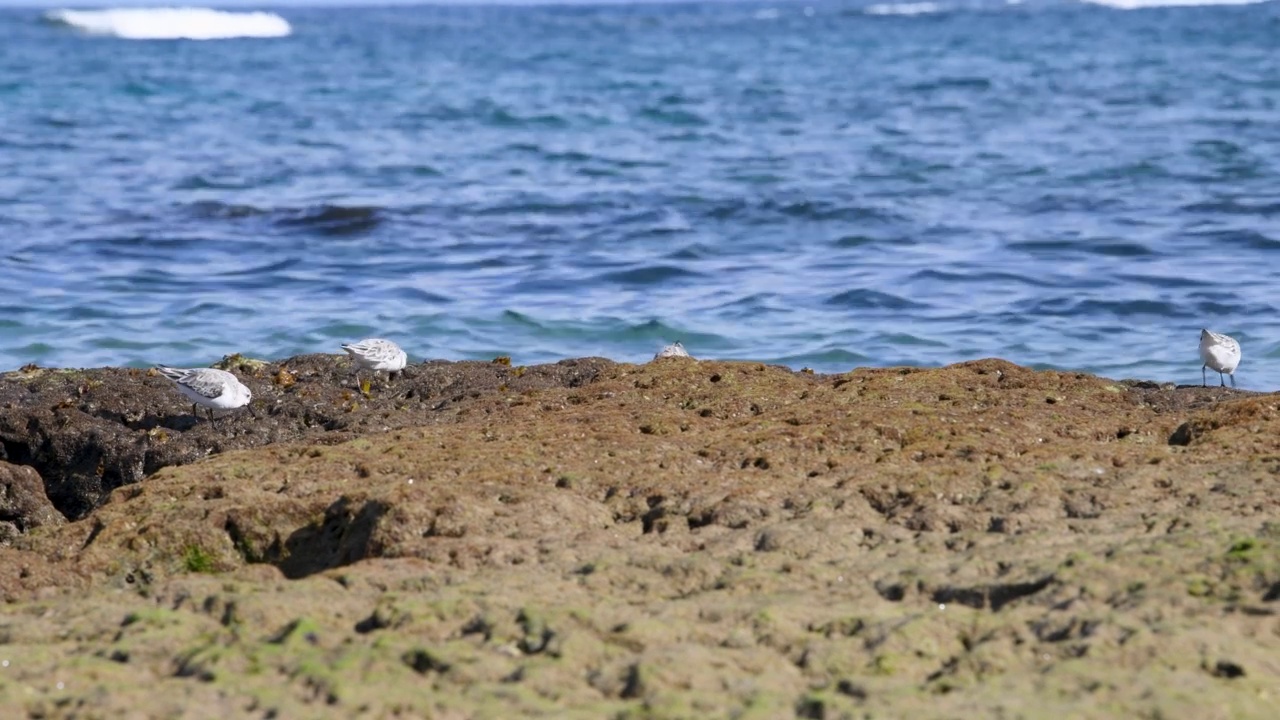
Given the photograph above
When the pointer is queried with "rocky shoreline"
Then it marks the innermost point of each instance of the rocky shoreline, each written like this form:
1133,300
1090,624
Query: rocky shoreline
678,539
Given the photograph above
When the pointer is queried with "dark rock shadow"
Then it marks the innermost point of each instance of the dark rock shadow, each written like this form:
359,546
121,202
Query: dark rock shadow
343,537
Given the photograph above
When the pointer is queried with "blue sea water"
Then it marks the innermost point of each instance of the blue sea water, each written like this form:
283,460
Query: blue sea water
817,184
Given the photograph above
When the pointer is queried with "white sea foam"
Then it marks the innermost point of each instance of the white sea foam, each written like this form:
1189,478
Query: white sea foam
913,8
1140,4
174,23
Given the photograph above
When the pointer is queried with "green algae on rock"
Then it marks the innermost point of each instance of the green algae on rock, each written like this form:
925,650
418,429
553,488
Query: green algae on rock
885,542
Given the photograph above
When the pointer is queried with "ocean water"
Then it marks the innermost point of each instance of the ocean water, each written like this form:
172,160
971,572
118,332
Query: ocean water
830,185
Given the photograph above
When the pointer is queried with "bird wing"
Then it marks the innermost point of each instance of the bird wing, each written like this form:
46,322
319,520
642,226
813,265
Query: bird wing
373,348
206,383
174,374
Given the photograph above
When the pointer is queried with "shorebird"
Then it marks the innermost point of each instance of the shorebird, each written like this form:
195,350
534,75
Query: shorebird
1219,352
376,354
212,388
673,350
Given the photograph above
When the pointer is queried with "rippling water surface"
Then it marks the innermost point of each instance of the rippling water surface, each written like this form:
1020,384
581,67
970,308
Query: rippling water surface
824,185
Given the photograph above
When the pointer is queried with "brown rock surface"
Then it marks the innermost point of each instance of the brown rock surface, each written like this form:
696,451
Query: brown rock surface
89,432
23,503
680,539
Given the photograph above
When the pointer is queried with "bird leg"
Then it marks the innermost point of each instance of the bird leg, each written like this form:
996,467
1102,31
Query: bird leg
1204,377
1233,379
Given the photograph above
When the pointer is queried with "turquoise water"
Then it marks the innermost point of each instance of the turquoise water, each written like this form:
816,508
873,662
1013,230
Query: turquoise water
824,185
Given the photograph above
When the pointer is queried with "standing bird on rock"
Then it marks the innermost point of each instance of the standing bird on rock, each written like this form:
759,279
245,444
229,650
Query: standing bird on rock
1219,352
376,354
210,387
675,349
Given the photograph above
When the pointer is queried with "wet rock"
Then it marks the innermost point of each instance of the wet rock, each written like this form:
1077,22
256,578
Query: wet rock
916,542
88,432
23,503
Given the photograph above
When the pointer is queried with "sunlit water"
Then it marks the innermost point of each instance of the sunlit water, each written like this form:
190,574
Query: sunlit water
825,185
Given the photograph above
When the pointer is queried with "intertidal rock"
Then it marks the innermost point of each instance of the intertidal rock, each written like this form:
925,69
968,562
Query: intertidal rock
678,539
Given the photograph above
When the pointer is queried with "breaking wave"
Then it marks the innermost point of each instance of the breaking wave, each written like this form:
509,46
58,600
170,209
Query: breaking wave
911,8
1140,4
187,23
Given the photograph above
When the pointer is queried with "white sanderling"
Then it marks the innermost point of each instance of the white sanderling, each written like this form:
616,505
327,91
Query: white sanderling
376,354
1219,352
673,350
212,388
